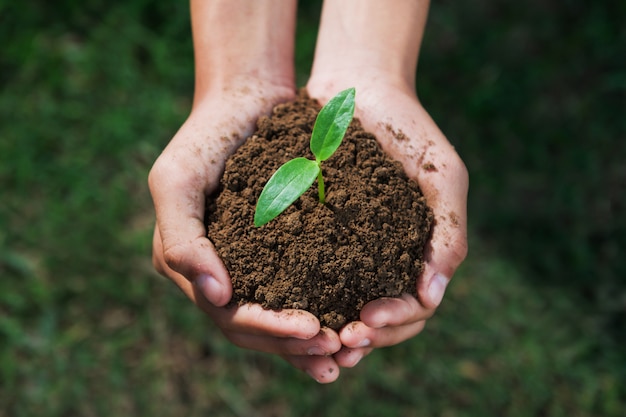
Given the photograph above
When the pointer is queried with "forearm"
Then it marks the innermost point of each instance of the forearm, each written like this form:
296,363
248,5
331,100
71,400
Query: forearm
240,41
371,37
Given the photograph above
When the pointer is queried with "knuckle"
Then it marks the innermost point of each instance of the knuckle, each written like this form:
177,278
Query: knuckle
459,249
458,167
165,173
155,175
157,254
457,170
156,263
174,257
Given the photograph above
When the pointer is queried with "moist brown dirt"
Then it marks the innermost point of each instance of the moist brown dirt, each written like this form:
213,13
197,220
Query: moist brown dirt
365,243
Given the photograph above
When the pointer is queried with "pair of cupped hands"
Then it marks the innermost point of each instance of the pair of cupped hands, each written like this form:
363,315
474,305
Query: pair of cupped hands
186,172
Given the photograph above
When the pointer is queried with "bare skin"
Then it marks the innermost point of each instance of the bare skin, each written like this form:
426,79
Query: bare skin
384,74
243,69
244,66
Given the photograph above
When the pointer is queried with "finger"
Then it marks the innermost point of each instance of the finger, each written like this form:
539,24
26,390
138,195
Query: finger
359,335
445,189
447,247
253,319
179,194
399,311
323,369
350,357
325,343
250,318
217,292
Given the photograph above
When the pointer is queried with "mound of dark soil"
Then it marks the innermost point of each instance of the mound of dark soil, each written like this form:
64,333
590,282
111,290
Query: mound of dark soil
366,242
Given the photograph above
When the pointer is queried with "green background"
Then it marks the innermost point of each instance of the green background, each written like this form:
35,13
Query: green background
532,94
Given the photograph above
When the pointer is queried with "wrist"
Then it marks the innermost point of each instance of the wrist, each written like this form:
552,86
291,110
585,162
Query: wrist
243,44
361,68
371,85
370,39
360,77
246,89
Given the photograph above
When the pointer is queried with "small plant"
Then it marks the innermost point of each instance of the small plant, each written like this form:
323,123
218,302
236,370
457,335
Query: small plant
296,176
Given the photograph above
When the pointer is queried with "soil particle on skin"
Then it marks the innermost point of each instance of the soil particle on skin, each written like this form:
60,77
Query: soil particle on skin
398,135
365,243
430,167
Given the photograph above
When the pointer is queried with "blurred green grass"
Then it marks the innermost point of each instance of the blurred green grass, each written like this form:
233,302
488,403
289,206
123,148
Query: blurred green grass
531,94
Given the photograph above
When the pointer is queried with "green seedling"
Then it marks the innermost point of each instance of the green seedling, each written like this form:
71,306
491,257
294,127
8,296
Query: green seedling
296,176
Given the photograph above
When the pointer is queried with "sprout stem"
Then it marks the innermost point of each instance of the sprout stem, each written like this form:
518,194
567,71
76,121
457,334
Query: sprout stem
320,186
294,177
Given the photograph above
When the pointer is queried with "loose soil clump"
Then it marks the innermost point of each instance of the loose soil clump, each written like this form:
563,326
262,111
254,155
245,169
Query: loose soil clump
365,243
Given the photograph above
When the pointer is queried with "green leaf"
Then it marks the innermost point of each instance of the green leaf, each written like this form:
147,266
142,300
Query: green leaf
331,124
288,183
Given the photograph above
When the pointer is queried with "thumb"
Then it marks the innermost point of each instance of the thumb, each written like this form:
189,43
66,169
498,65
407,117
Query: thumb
442,259
195,268
448,244
180,245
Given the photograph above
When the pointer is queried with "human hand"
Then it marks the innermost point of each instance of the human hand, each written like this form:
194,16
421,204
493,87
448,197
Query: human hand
243,53
391,111
376,51
187,171
295,335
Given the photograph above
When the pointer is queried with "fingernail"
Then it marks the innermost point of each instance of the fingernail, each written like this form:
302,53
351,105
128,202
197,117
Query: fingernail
210,288
364,343
315,351
437,288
